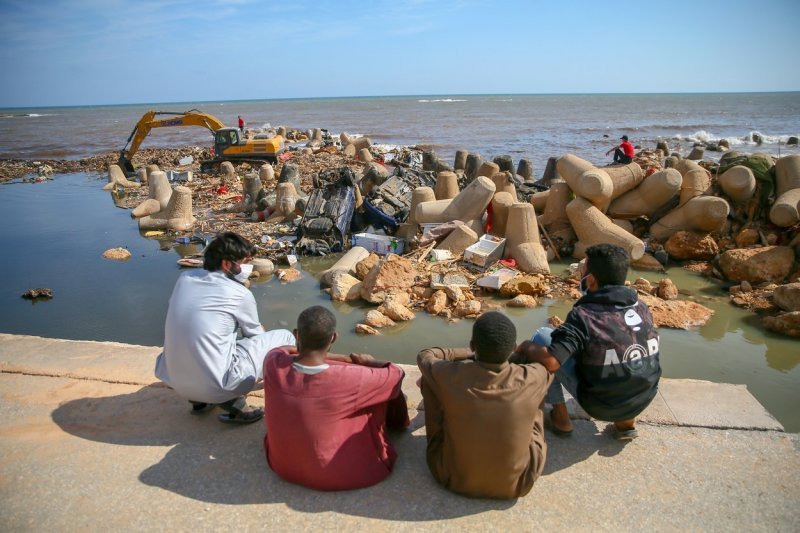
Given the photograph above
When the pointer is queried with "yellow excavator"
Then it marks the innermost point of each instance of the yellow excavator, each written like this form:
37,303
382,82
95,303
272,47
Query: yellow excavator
229,143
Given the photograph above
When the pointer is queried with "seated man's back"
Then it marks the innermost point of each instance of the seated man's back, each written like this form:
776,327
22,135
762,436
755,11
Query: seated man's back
483,418
326,423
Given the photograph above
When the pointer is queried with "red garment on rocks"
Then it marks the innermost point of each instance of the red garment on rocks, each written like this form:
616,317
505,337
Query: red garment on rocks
327,431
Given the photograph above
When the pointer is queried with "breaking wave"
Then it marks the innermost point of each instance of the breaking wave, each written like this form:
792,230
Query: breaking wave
749,139
442,100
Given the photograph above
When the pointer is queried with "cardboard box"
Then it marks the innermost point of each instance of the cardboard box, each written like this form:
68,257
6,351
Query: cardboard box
486,251
379,244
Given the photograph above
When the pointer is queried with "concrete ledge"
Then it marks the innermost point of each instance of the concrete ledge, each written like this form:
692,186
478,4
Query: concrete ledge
684,402
89,441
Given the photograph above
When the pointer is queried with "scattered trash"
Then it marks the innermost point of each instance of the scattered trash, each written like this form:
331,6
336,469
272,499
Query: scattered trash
440,255
379,244
496,279
179,177
188,160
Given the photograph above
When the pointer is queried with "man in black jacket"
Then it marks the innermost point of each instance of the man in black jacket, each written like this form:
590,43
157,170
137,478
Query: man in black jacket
606,352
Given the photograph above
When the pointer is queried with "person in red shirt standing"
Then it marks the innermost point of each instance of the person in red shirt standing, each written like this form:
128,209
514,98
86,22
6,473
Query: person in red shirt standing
624,152
241,125
327,414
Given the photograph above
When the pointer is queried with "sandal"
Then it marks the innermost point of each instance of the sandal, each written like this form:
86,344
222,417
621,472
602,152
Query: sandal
199,408
625,434
241,417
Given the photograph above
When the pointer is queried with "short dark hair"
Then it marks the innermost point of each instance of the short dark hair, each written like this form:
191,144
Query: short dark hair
608,263
624,137
315,328
227,245
494,337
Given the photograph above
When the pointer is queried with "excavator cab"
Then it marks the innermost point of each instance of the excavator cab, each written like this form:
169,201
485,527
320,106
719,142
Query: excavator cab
225,138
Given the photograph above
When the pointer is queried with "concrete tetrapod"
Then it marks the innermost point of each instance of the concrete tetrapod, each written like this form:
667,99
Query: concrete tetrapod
176,217
593,227
346,263
152,167
685,165
460,162
488,169
141,175
117,178
784,211
285,201
738,183
695,183
696,154
586,180
500,204
624,178
525,169
446,185
408,230
522,239
266,173
226,169
474,162
251,187
702,214
654,191
554,216
159,193
539,200
504,181
459,240
469,204
365,155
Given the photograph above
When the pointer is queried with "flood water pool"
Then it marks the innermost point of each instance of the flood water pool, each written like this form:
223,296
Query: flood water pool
54,234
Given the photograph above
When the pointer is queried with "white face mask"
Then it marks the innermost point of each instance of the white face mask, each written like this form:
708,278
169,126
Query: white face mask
244,273
583,288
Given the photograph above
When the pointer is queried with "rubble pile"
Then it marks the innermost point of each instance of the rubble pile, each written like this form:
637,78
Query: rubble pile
456,240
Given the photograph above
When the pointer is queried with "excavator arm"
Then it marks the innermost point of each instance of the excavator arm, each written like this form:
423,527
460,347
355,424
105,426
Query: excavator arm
152,119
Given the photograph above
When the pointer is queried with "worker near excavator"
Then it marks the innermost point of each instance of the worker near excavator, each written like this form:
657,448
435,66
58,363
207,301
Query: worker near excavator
241,125
203,360
624,152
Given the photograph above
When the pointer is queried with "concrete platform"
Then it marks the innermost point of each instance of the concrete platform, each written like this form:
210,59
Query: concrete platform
90,440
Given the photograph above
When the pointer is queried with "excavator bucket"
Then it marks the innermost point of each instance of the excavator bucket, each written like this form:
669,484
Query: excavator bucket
126,165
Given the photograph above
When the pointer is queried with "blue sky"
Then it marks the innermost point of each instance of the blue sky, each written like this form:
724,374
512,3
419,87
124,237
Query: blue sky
85,52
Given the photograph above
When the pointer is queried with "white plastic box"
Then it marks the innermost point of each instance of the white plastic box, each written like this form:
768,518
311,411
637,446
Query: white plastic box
486,251
379,244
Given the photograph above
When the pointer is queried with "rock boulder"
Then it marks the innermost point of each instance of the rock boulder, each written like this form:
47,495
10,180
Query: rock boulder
392,272
687,245
757,265
787,297
785,323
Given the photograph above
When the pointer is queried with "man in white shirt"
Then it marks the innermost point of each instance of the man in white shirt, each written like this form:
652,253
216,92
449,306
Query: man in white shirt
203,360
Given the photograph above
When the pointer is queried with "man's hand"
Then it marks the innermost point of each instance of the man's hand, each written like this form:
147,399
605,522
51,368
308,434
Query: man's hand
361,358
366,359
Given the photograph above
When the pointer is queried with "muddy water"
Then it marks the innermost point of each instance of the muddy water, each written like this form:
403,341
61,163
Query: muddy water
55,232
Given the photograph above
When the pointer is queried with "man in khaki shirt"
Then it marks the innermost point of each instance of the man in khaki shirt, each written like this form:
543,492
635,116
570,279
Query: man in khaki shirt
483,413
